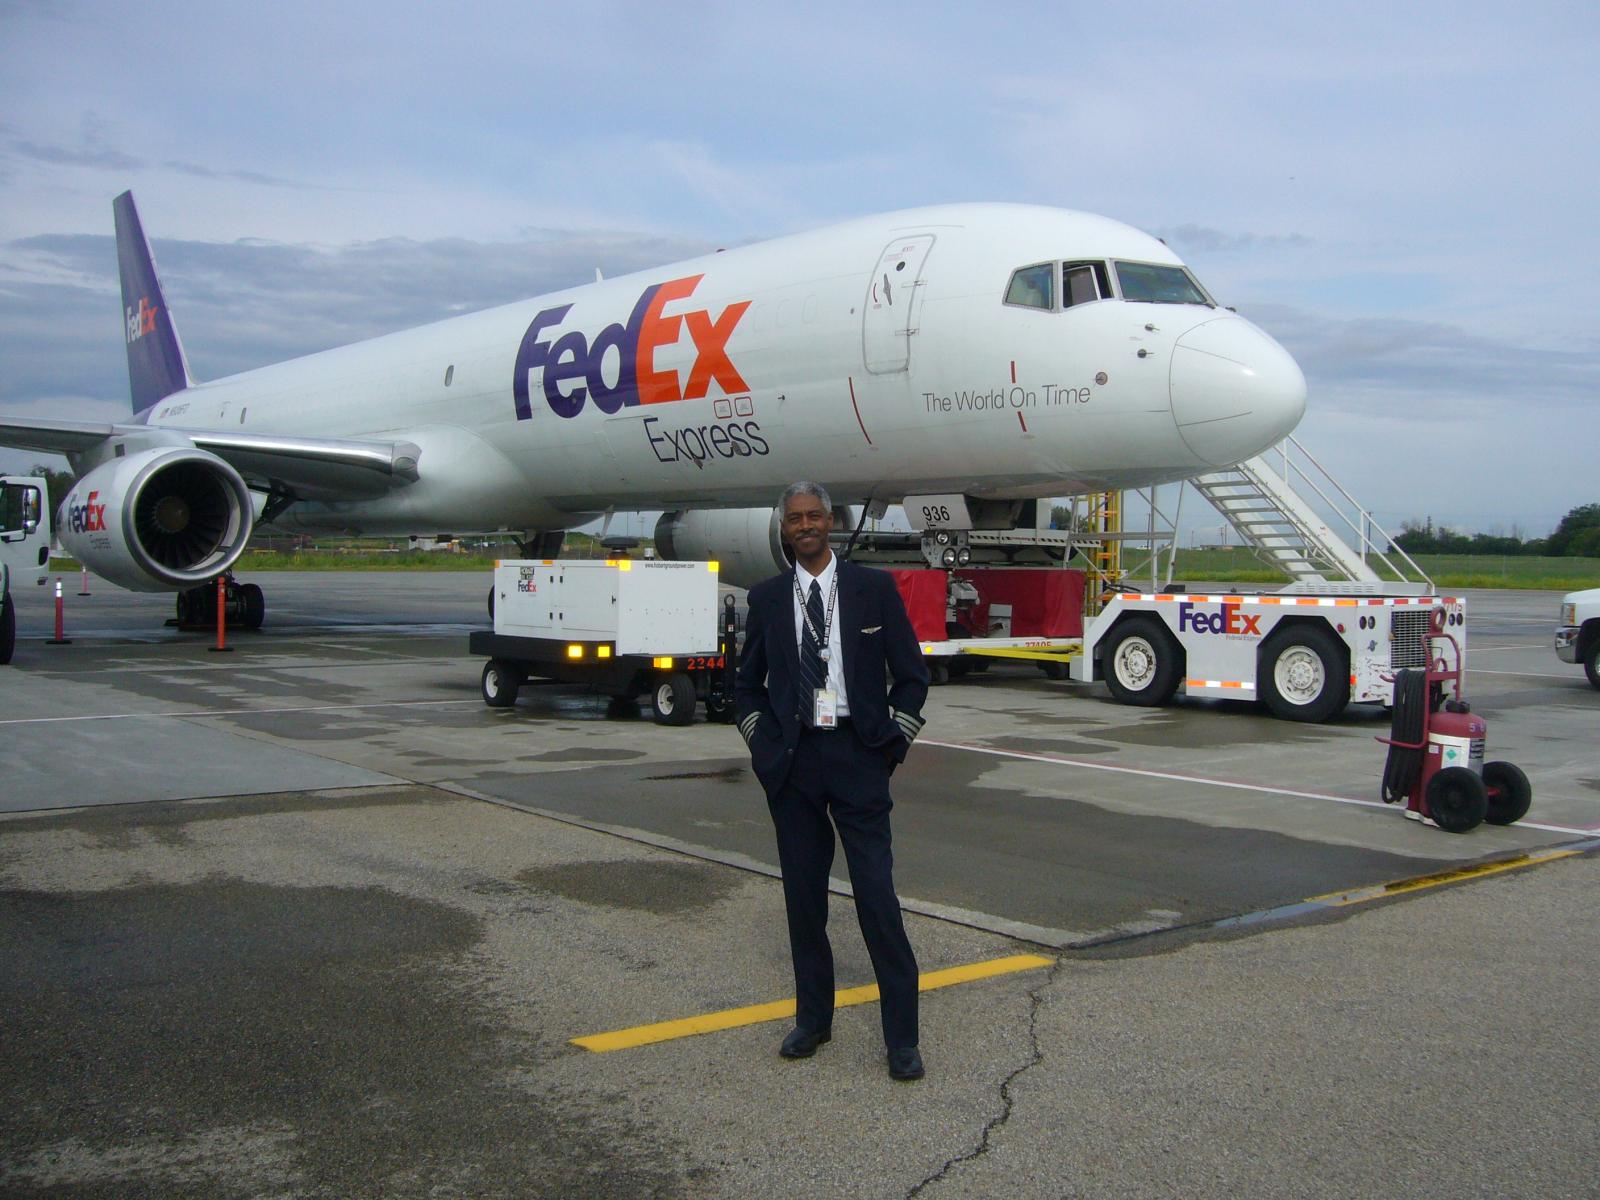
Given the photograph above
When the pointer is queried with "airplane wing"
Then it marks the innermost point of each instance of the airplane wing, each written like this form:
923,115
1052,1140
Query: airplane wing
299,467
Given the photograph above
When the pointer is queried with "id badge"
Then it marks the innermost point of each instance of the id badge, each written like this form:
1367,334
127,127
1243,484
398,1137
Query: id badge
825,712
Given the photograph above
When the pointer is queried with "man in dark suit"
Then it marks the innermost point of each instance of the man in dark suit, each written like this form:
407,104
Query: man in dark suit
825,732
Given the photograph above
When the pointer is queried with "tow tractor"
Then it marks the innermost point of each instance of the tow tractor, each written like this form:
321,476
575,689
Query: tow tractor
24,547
622,627
1435,759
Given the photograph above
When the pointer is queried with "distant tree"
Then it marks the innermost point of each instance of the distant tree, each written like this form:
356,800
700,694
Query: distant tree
1578,532
56,484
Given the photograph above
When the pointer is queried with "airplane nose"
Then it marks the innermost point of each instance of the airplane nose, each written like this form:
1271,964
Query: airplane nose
1235,391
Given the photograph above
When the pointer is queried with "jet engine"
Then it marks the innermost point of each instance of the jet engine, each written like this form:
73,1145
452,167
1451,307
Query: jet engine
745,542
161,519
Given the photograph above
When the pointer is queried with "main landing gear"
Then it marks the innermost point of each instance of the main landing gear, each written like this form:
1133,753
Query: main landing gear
244,605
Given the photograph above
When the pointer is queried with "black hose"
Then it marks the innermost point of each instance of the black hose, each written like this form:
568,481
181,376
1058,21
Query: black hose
1406,725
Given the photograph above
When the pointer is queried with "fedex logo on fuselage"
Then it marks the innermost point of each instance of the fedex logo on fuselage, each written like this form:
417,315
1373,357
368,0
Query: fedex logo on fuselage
1228,620
87,517
574,369
140,321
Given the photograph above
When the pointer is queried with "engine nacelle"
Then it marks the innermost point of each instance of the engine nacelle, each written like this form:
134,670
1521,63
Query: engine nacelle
159,520
747,543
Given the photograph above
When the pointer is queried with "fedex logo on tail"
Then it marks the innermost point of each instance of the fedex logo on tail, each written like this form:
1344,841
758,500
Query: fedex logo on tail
1228,620
574,369
140,321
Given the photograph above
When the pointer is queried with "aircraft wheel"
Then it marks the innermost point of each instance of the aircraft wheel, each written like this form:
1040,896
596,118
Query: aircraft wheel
1301,674
1142,663
8,629
1510,793
1457,799
253,601
672,699
1591,663
501,681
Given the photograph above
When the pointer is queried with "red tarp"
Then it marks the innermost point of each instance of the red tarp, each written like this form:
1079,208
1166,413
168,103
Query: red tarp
924,595
1045,602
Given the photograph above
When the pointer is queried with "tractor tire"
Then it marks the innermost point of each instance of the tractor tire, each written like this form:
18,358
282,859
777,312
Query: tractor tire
1510,793
501,682
1142,663
672,699
1301,674
1457,799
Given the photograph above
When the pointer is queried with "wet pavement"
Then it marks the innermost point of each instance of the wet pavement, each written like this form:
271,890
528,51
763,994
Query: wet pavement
309,919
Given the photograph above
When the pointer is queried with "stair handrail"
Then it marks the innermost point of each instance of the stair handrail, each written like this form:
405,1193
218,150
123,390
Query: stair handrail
1364,541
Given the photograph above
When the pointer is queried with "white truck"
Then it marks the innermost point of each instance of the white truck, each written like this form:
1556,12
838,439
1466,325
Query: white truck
1578,634
1304,656
24,547
623,627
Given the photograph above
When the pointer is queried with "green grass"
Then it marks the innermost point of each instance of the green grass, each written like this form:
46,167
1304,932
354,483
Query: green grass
1446,570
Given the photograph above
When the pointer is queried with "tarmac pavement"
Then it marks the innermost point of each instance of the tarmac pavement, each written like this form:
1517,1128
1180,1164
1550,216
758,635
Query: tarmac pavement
309,920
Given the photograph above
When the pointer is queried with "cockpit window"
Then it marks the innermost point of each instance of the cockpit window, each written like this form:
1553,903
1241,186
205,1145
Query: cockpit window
1156,284
1083,282
1033,287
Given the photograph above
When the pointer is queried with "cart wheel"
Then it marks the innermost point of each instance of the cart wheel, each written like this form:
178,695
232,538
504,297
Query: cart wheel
1510,793
1141,661
719,707
938,674
672,699
1457,799
1053,670
1302,675
622,708
979,663
253,602
1591,663
500,683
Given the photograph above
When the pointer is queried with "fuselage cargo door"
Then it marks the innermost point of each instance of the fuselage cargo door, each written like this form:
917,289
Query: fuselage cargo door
894,292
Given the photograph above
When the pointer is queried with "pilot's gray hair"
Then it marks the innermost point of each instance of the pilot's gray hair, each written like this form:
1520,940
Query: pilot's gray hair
804,487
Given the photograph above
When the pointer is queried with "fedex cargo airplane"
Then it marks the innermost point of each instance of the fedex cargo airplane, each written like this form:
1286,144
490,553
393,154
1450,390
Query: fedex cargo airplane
992,352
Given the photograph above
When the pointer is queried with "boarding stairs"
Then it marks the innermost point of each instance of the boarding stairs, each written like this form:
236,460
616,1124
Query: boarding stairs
1271,502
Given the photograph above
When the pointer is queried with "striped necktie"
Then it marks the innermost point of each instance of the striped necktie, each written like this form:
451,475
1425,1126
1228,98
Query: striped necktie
813,671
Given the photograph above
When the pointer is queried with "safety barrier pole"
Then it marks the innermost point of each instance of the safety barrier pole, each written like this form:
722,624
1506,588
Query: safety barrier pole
61,638
83,589
222,621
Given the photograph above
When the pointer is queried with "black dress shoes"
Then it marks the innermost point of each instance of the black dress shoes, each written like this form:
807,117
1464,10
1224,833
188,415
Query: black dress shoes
802,1043
905,1063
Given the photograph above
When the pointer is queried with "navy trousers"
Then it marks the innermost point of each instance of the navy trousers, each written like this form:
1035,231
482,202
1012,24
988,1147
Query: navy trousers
835,775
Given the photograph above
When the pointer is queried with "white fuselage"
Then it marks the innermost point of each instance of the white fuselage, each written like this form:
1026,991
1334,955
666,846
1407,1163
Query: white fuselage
878,357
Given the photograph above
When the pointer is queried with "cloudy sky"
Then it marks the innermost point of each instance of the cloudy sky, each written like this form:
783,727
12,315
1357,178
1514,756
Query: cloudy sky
1403,194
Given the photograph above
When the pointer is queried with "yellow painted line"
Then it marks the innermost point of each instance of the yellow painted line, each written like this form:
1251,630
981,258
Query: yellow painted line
1421,882
755,1014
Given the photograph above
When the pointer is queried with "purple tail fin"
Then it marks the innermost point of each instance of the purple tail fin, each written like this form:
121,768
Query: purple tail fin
156,366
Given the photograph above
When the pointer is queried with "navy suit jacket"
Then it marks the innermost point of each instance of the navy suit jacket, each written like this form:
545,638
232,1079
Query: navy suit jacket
879,645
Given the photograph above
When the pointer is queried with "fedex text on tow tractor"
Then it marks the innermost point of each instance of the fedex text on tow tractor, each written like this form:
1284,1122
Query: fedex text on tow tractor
1227,620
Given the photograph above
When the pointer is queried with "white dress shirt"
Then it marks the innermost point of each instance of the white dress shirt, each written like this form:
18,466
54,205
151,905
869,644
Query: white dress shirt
835,663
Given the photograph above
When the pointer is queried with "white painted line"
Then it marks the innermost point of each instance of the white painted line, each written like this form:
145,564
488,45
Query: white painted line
232,712
1529,674
1177,777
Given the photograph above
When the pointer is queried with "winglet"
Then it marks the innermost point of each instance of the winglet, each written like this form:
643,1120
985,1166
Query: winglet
156,365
